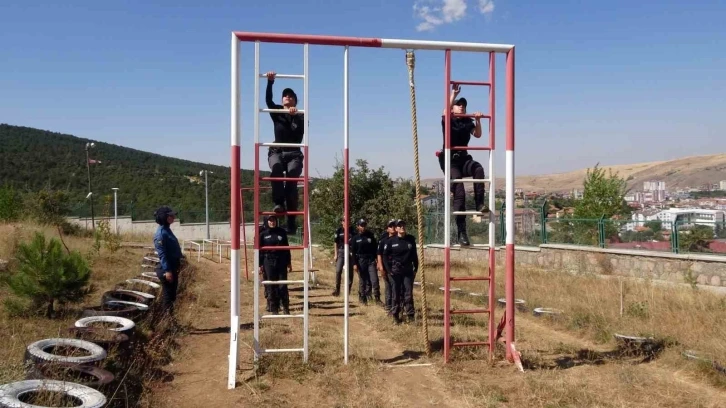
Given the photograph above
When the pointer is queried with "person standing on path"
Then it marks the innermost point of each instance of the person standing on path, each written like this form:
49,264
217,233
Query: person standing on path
364,248
170,256
339,258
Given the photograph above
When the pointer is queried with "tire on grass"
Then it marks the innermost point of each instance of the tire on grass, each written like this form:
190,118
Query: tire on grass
11,394
90,376
123,294
36,352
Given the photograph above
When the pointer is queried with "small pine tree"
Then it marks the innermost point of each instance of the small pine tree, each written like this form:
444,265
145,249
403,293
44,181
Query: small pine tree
47,275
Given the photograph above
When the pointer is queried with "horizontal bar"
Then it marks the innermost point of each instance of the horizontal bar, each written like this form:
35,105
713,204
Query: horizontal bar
469,278
471,212
370,42
302,270
282,316
288,76
470,343
283,282
469,115
282,213
473,148
291,350
444,45
280,248
282,178
266,110
469,311
481,83
471,180
274,144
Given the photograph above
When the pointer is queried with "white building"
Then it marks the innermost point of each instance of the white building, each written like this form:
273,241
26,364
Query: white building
684,217
654,186
722,185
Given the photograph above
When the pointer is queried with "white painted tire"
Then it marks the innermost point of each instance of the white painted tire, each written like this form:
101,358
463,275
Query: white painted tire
37,351
151,275
136,292
144,282
11,393
142,307
127,325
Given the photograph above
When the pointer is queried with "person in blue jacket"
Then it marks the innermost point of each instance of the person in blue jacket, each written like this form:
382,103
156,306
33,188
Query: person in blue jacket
170,256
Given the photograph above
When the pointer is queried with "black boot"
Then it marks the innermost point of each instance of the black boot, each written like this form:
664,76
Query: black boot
463,238
279,208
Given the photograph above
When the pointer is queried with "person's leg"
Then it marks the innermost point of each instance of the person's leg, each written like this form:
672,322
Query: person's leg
284,294
277,169
388,289
474,169
397,281
373,278
338,272
273,301
408,306
363,283
459,204
294,167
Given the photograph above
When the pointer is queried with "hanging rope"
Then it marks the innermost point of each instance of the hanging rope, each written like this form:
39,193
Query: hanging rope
411,62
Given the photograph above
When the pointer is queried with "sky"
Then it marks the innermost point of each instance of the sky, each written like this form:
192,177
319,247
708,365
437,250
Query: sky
613,82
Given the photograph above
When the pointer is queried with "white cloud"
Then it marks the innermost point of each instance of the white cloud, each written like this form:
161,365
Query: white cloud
486,6
434,13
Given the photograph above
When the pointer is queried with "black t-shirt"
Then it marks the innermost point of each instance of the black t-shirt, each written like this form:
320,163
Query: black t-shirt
364,244
339,237
275,237
461,130
288,128
402,250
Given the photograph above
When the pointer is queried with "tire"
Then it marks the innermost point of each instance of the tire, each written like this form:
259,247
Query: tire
127,326
140,307
96,377
148,296
123,294
10,394
150,276
111,309
36,351
104,338
144,282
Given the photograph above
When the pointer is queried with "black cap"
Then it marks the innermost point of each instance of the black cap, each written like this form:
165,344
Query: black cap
164,211
362,222
290,92
391,223
460,101
400,222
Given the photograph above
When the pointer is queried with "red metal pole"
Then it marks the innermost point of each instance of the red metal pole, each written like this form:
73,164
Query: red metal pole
447,240
509,284
492,245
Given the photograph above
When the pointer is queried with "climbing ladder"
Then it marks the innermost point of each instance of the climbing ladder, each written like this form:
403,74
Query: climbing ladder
489,275
305,247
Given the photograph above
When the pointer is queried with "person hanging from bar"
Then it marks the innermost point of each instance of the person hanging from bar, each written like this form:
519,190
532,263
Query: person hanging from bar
384,264
275,265
462,163
285,161
339,258
364,247
401,250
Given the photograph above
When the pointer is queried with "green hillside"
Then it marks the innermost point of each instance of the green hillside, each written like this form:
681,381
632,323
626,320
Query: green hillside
33,159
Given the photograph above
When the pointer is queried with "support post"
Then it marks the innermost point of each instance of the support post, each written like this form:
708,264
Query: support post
447,204
346,219
115,210
509,201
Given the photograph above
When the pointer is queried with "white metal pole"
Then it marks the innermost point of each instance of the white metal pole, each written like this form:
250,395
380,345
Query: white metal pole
256,251
115,209
306,254
234,262
346,264
206,199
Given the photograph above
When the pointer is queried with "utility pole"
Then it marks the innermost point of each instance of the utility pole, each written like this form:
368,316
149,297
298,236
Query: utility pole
206,197
90,191
115,209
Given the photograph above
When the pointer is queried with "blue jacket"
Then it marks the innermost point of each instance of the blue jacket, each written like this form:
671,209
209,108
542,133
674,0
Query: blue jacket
168,249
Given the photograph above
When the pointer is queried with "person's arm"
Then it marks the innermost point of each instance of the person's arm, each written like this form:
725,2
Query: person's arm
477,125
163,252
286,252
268,95
353,252
415,254
455,89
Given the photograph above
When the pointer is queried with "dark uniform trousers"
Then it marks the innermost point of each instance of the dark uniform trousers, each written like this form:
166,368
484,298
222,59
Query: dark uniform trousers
285,164
368,277
402,290
275,270
388,282
168,289
339,264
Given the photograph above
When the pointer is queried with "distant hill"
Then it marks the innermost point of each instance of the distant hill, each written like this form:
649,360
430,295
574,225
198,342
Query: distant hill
31,159
692,171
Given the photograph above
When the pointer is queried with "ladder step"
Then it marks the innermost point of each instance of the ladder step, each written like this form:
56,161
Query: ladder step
470,278
466,180
290,350
480,83
470,212
473,148
282,316
469,311
470,343
283,282
276,144
302,270
285,76
282,213
281,248
299,112
282,179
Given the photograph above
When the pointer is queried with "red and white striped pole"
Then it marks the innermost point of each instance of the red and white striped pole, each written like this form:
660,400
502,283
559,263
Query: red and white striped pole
509,216
447,205
346,203
234,216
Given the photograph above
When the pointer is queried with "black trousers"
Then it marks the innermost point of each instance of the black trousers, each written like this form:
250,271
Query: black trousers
462,167
388,281
284,193
278,294
403,294
168,289
368,278
339,264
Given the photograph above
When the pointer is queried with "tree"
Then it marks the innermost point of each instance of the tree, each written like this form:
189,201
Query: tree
9,204
695,239
654,225
46,275
373,195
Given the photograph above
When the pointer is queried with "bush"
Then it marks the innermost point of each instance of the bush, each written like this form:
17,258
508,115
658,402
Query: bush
47,275
10,204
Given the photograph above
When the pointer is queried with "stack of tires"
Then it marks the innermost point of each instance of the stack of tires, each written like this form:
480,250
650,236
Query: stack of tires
73,366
